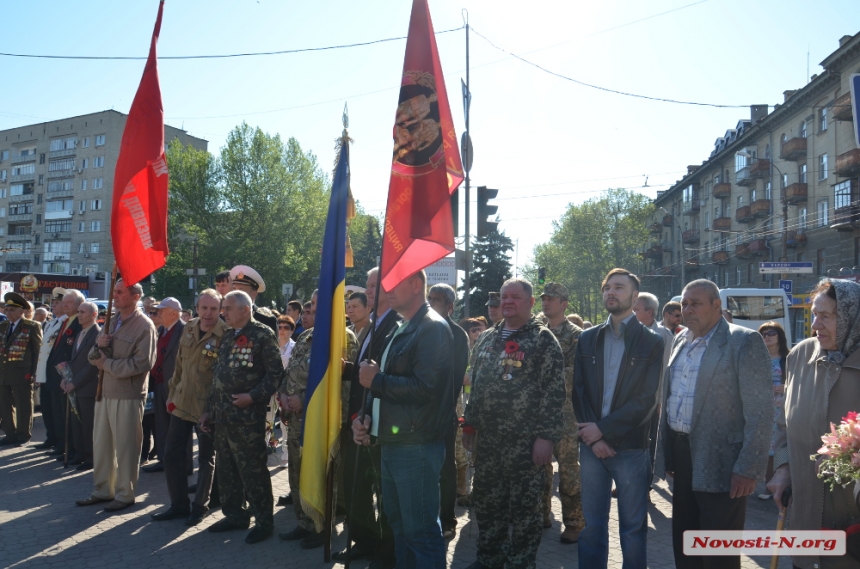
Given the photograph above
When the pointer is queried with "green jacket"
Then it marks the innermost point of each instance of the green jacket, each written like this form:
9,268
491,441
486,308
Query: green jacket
20,354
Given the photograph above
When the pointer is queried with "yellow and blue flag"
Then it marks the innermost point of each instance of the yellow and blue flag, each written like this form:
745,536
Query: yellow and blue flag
323,396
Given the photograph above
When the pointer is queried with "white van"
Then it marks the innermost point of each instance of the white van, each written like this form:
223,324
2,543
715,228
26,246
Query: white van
752,307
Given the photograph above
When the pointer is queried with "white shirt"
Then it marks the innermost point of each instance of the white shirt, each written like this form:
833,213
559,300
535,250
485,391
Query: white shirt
287,351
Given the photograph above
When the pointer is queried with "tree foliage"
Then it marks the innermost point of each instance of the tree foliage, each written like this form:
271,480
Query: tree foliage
366,242
588,241
491,266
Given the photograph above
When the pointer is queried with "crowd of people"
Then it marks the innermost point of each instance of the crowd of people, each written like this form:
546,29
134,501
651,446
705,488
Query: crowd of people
711,405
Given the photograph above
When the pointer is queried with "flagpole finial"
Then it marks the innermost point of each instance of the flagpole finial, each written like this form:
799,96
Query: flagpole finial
345,117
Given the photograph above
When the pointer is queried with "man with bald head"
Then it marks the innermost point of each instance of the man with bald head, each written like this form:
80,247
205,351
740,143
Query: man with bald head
61,351
83,383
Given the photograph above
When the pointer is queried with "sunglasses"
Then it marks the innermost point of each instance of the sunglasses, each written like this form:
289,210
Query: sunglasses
769,333
287,326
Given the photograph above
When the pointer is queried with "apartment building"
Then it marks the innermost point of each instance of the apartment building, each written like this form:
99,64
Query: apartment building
56,184
780,186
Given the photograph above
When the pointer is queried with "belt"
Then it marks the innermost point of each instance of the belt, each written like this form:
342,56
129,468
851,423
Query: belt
680,434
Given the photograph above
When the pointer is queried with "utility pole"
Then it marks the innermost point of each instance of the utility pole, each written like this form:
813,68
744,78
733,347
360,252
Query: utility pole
466,148
194,292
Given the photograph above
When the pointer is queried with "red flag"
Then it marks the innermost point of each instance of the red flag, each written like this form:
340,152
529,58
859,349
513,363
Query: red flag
139,212
426,165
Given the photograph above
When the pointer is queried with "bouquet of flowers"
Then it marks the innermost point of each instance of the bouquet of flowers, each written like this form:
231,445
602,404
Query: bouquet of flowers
840,453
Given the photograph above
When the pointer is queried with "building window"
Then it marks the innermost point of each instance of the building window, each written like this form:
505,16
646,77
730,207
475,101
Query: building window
94,247
38,198
81,248
767,191
801,176
23,169
98,183
62,164
4,155
822,119
822,167
100,140
726,279
802,129
95,226
801,219
86,143
784,181
69,143
81,227
707,220
750,272
84,185
3,193
42,158
821,262
61,186
20,208
99,162
41,179
740,202
2,175
823,211
97,205
2,212
57,226
38,219
85,163
737,275
842,194
60,205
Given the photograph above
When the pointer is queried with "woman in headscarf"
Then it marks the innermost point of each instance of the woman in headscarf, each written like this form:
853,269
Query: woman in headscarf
822,386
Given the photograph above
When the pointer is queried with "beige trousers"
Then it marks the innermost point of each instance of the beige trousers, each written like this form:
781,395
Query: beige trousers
117,441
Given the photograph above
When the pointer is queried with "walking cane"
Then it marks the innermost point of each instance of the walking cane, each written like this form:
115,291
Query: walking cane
780,524
66,450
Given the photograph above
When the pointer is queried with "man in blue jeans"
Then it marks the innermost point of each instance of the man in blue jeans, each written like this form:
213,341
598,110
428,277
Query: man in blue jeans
412,414
616,377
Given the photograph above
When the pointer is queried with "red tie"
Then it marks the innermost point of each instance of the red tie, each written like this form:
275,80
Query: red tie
60,334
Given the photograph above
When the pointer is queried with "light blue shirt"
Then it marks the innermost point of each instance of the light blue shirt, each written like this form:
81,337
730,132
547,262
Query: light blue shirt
685,373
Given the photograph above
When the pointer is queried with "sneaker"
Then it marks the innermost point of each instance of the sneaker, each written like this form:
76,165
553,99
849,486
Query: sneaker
570,536
765,496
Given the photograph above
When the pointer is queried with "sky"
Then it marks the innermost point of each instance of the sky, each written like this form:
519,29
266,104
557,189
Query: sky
543,141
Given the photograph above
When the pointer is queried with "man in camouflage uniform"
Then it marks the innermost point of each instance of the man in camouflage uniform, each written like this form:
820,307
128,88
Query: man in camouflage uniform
516,414
554,303
247,374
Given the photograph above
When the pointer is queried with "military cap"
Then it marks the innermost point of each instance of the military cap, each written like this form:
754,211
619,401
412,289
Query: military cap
555,290
495,299
16,300
58,293
246,275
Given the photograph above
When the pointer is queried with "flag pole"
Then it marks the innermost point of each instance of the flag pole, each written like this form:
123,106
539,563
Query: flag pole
106,328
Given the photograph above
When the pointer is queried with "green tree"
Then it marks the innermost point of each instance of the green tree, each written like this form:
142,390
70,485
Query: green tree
491,266
588,241
366,246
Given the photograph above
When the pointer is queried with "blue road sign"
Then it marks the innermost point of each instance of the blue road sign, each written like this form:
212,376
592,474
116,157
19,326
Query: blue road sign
786,286
800,267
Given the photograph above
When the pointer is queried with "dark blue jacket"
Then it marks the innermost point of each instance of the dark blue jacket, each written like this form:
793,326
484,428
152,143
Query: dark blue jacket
637,391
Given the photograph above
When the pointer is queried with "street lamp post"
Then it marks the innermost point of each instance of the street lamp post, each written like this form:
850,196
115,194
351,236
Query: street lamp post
683,250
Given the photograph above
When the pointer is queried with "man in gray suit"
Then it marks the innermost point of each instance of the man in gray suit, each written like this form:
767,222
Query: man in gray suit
85,378
719,415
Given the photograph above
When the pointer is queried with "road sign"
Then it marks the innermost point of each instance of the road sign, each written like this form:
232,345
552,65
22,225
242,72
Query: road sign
786,286
854,82
287,289
799,268
466,151
442,271
200,272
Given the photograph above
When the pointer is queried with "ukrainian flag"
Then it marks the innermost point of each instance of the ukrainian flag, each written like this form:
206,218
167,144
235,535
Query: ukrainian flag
323,397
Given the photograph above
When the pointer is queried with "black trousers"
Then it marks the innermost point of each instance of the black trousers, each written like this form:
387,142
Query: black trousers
162,419
82,428
693,510
58,406
45,395
366,530
448,485
177,455
148,433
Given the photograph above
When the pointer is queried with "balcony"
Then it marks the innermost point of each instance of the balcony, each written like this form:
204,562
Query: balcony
758,247
22,178
743,214
17,256
655,252
667,246
846,218
722,190
61,153
794,239
23,159
20,217
720,257
723,224
656,228
691,207
61,174
748,175
760,208
796,193
690,236
668,220
59,214
848,164
58,235
794,149
742,250
842,108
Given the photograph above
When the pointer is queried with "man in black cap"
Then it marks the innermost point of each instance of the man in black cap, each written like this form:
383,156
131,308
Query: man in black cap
20,340
494,310
248,280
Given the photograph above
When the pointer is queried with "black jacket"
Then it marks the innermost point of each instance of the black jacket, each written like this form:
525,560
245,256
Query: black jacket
61,351
628,424
415,391
380,341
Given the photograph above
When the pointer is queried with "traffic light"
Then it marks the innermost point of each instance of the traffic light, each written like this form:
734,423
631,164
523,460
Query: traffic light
541,275
485,211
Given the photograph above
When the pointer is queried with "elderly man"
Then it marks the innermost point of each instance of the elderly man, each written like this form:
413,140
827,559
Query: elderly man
61,351
49,335
167,347
19,347
250,282
718,398
554,301
441,298
516,413
247,374
125,354
188,389
40,315
414,386
84,382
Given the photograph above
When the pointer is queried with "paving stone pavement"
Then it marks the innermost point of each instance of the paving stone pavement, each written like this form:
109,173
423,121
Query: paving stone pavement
41,527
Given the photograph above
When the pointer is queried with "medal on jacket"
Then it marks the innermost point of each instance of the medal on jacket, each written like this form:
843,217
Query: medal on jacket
241,355
210,350
511,358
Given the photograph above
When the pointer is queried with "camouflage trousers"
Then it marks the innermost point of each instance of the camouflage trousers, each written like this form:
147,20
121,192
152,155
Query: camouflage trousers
566,452
243,473
507,491
294,468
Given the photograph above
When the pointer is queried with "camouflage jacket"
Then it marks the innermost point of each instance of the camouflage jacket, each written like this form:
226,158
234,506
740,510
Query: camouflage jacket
249,361
518,384
567,335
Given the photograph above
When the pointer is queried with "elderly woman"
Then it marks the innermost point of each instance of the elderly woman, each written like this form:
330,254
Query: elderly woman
822,386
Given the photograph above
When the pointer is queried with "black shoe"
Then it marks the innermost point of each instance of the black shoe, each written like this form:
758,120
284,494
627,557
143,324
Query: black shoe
354,554
285,500
84,467
7,440
170,513
297,533
76,462
157,467
228,524
312,541
62,458
258,534
21,442
45,445
379,564
214,502
192,489
197,514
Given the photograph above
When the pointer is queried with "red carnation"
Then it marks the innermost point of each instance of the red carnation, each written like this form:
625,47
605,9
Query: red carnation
851,416
511,347
171,407
241,341
68,331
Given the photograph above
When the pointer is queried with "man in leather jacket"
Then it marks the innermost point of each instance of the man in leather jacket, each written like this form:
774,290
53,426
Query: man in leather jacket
414,386
616,379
